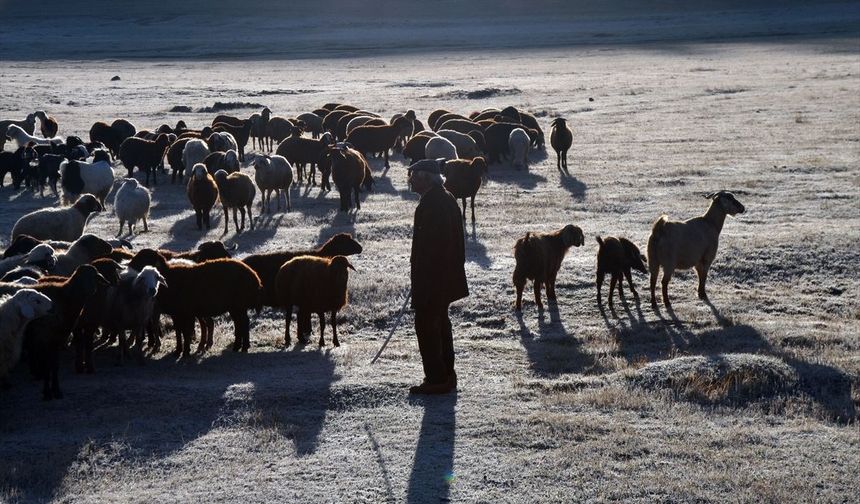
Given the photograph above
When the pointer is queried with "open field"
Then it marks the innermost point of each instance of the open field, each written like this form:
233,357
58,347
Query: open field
563,405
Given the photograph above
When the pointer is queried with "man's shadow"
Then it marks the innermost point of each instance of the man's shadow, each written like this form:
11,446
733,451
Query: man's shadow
433,466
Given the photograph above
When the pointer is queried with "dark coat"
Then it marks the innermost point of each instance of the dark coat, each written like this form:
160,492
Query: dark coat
438,251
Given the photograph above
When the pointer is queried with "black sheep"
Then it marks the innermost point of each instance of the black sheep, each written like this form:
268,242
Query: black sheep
617,256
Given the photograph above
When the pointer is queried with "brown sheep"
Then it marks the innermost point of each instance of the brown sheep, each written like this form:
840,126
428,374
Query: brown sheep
237,191
315,285
561,138
301,151
349,172
617,256
203,193
539,257
463,179
145,154
369,139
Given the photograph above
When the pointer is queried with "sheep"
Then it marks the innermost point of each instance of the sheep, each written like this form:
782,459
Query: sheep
689,244
131,203
132,306
462,126
240,133
28,125
560,138
236,191
45,339
16,164
102,132
174,159
214,249
538,257
146,155
343,122
414,150
497,136
313,123
518,145
445,118
47,124
346,107
93,313
84,250
440,148
195,151
362,120
434,116
273,173
463,179
80,177
42,256
368,139
467,147
259,123
16,311
331,119
227,161
221,141
300,151
22,138
58,223
349,171
124,129
315,285
49,171
617,256
203,193
278,129
205,290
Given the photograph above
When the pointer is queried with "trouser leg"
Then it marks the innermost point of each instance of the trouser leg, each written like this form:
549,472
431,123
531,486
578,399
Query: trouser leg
429,330
447,342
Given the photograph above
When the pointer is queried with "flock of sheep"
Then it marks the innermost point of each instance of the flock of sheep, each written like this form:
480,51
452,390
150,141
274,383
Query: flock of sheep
56,281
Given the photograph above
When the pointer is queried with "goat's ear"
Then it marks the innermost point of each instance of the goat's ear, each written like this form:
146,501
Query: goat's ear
710,195
554,122
644,259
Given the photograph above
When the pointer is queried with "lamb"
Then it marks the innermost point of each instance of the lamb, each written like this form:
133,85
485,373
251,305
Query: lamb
617,256
349,171
273,173
16,311
23,138
47,124
689,244
300,151
368,139
195,151
467,147
463,179
497,135
131,203
539,257
146,155
240,134
16,163
316,285
205,290
80,177
58,223
518,144
227,161
174,159
236,191
440,148
84,250
203,193
222,141
561,138
42,256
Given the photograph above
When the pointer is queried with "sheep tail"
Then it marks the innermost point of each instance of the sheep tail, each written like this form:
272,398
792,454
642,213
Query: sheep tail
599,240
521,248
659,226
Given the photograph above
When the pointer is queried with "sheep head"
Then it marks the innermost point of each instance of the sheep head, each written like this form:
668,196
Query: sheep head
87,204
231,160
199,172
262,162
633,256
94,246
32,304
340,244
727,202
559,123
43,256
149,279
214,250
572,236
341,262
101,155
148,257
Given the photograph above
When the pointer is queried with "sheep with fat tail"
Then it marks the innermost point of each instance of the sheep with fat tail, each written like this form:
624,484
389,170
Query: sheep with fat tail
539,257
689,244
316,285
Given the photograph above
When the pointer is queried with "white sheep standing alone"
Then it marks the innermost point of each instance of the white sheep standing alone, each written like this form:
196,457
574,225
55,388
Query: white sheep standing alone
440,147
195,151
16,312
131,204
273,173
518,143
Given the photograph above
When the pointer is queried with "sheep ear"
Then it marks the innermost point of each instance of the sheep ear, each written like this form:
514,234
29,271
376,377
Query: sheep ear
710,196
644,259
162,281
26,311
350,266
102,280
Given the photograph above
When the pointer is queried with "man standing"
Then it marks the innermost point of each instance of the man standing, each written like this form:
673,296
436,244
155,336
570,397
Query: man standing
438,274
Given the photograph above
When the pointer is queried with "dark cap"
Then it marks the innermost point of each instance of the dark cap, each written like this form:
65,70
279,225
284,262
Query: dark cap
428,165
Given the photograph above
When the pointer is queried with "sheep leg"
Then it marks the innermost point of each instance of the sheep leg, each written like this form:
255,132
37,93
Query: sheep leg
199,215
208,220
226,220
630,283
334,340
385,153
121,224
612,281
204,334
357,200
242,328
667,275
702,272
145,225
250,218
235,223
287,197
600,277
537,295
289,316
654,270
558,159
321,315
473,209
519,283
620,286
464,208
210,326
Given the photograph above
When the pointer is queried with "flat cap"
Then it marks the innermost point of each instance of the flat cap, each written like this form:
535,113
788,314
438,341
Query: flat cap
429,165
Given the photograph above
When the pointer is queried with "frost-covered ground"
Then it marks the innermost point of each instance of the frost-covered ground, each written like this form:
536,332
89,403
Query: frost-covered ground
566,405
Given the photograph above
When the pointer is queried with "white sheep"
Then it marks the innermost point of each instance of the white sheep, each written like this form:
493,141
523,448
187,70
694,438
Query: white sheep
132,305
97,177
466,146
16,312
440,147
688,244
518,143
195,151
20,136
273,173
66,224
42,254
131,204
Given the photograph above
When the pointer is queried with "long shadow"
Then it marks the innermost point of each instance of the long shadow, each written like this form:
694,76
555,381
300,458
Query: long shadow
433,466
476,251
640,340
504,174
574,186
553,351
145,410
